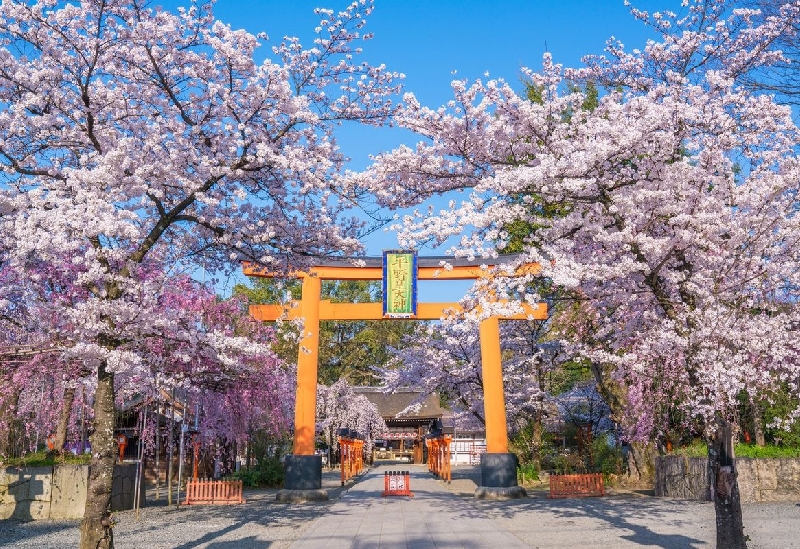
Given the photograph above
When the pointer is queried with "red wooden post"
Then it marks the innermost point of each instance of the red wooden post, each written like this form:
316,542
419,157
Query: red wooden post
122,442
196,444
341,459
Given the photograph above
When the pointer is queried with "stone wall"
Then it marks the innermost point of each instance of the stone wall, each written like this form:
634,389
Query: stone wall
69,491
25,494
34,493
760,480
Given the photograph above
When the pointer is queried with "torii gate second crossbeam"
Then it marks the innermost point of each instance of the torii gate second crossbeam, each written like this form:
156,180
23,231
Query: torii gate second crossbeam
303,478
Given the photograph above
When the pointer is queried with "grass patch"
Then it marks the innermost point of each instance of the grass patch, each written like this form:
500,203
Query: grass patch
753,451
743,451
43,459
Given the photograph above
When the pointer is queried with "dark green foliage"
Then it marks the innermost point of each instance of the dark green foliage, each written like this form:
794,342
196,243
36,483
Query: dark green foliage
266,471
564,455
607,459
525,446
352,350
564,462
753,451
761,414
527,472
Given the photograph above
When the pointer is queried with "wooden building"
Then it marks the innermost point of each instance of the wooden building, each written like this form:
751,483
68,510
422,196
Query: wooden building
407,423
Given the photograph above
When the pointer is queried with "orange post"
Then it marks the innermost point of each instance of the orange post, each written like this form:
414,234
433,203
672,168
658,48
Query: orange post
122,442
494,404
439,456
342,459
446,458
196,445
306,400
430,457
351,462
348,462
359,451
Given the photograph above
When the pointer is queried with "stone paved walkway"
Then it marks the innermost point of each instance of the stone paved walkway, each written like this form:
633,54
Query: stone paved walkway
433,518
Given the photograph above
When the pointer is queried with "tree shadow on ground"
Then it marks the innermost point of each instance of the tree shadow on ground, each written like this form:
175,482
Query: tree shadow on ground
623,513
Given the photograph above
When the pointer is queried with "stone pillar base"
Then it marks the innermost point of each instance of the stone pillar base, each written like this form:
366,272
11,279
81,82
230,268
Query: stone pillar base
499,477
300,496
302,472
512,492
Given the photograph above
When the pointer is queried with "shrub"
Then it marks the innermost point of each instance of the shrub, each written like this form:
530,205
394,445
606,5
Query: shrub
529,471
608,459
268,472
566,462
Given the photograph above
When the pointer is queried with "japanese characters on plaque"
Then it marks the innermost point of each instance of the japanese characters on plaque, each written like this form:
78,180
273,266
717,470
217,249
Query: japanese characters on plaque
399,284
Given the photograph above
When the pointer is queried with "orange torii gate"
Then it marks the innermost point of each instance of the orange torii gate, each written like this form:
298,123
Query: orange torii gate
303,478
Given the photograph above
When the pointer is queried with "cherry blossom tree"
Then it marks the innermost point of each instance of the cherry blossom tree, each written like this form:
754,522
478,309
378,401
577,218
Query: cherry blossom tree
228,395
339,407
37,379
679,227
446,360
232,390
131,137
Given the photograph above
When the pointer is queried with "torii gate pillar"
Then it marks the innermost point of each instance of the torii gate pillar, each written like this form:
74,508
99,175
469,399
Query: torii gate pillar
498,465
303,469
303,473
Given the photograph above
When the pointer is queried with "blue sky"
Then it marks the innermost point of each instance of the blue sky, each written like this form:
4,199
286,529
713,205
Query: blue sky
434,41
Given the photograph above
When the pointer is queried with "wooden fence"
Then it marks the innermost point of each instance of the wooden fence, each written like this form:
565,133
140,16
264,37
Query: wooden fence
572,486
213,492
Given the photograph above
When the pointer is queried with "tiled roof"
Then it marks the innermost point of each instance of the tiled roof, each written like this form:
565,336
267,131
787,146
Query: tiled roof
391,404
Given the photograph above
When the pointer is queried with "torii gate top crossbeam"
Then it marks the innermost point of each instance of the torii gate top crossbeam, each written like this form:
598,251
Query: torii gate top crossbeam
370,268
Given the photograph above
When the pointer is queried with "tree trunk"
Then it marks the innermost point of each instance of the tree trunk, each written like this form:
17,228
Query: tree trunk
536,440
63,421
96,532
724,488
170,447
758,424
8,419
249,449
158,452
83,420
641,464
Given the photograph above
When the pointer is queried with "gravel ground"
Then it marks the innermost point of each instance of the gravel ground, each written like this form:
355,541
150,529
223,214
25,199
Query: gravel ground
260,523
623,519
631,521
627,518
